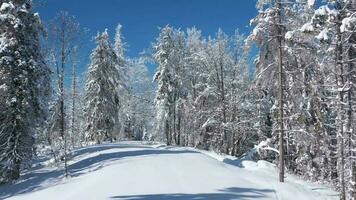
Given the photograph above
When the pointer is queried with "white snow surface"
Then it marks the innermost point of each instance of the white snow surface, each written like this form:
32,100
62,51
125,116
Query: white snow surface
142,171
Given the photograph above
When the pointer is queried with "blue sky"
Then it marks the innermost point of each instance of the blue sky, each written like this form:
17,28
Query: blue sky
141,19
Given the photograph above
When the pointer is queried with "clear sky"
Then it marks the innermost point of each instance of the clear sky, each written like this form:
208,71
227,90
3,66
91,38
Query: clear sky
141,19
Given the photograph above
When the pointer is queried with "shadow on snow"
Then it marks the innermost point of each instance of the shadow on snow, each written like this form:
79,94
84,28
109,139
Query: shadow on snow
226,194
33,180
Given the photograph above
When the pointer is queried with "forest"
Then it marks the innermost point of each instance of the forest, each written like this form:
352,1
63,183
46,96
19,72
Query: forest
285,93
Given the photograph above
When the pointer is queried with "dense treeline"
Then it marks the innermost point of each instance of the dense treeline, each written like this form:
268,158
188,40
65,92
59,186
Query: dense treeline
203,98
299,109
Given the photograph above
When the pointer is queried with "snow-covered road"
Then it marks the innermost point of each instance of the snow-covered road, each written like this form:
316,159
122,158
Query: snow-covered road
133,171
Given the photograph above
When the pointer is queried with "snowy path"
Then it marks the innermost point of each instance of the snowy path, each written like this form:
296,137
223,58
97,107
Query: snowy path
131,171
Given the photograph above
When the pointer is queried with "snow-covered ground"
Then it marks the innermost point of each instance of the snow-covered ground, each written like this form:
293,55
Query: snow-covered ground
134,171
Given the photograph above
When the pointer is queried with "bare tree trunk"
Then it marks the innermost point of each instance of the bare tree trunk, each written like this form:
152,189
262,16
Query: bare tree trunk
66,33
167,132
179,126
223,107
349,128
61,93
62,109
74,91
341,117
280,97
174,132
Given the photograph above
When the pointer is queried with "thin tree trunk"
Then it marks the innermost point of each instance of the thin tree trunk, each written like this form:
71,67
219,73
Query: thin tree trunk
179,126
340,119
280,97
174,132
74,88
167,132
350,131
62,109
223,105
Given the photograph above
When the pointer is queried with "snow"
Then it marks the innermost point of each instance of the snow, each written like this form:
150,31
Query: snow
5,6
308,27
210,122
347,24
289,35
311,2
3,87
3,17
323,35
133,171
255,31
322,11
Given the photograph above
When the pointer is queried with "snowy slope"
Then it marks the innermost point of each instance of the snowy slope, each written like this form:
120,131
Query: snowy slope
133,171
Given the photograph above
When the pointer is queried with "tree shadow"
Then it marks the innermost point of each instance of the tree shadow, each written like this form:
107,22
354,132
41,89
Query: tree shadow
103,147
232,193
34,180
236,163
102,159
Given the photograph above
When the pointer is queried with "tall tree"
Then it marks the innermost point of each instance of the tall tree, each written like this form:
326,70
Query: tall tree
168,55
123,81
101,94
280,90
348,28
65,34
268,34
24,85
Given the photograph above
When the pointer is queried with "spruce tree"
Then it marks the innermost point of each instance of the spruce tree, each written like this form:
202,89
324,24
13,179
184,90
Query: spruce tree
101,94
24,85
163,51
123,87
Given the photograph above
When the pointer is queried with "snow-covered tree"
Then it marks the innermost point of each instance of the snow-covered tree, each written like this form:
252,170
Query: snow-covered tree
140,102
318,85
332,24
169,57
24,85
270,27
76,136
65,36
123,83
101,93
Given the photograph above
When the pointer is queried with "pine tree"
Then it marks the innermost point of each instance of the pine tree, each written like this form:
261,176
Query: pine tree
123,80
24,85
101,93
168,57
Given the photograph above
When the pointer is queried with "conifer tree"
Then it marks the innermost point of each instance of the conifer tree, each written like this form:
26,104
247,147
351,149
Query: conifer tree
123,84
101,93
24,85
